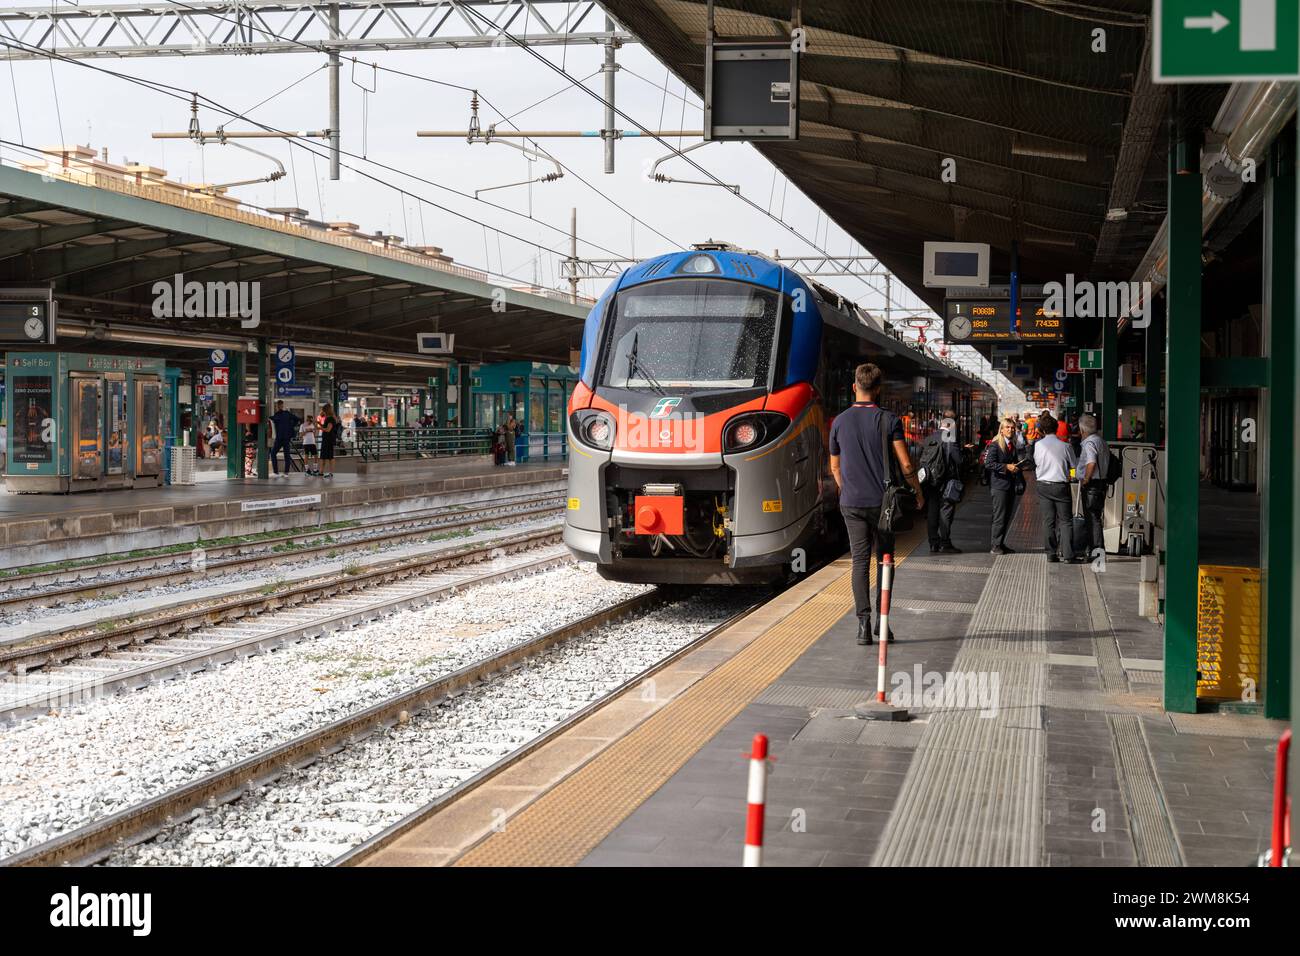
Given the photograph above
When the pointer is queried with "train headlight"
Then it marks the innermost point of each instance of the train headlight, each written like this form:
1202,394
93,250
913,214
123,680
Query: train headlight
594,428
752,429
745,434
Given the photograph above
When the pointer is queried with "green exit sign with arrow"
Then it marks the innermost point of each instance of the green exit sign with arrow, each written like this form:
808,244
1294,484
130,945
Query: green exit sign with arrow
1225,41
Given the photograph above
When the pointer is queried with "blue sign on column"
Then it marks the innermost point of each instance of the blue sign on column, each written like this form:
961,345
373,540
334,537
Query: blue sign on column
217,358
284,367
343,392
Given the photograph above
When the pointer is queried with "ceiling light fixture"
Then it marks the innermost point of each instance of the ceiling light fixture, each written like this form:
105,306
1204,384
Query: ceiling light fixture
1045,151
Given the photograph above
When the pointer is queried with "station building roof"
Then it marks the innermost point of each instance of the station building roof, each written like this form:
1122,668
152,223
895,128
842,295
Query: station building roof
103,235
1048,131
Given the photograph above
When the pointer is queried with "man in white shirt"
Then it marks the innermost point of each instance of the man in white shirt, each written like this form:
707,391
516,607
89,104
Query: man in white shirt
1094,460
1053,460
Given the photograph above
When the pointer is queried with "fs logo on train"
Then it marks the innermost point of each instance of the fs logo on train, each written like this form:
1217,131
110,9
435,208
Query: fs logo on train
664,407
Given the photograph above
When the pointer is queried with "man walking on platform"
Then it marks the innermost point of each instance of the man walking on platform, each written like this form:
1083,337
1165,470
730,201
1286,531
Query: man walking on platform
1053,461
859,435
286,426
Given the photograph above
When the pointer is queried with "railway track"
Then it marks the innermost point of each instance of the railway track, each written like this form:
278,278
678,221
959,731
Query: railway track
46,588
327,592
442,803
96,840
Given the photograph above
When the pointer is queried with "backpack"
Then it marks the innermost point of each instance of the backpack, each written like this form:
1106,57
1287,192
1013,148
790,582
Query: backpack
1114,468
934,460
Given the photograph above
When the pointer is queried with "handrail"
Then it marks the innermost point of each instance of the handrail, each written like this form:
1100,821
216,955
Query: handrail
374,443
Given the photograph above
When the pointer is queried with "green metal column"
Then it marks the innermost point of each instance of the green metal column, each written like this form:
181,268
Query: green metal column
1278,488
267,405
234,433
1182,422
1293,452
1155,366
1109,380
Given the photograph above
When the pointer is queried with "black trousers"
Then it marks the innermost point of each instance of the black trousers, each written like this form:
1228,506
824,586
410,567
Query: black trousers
1094,504
1058,517
275,450
863,535
1004,506
938,517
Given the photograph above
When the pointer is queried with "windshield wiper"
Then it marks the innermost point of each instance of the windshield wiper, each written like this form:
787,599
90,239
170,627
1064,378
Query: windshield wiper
633,364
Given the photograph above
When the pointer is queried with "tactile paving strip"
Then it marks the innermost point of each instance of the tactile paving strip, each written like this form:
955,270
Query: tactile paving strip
973,795
1146,677
1101,702
919,565
952,607
1153,838
1110,668
798,695
1227,725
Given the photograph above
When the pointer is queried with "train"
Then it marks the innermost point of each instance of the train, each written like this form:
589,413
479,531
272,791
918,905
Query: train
698,431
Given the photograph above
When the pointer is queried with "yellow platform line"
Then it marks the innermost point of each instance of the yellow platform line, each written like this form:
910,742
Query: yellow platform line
566,823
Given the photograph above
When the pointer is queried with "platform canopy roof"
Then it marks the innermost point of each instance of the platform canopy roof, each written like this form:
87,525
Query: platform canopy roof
103,250
1047,130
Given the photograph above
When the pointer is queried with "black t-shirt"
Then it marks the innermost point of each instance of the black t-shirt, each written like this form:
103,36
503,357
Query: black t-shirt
855,438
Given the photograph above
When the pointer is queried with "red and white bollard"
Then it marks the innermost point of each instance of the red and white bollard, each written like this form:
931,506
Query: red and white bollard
880,708
757,799
1281,836
886,584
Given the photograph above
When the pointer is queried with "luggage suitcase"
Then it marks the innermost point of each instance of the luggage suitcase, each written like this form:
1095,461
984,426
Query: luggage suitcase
499,453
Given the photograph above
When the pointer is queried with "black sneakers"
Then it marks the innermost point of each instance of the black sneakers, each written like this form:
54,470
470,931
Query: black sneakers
949,549
864,632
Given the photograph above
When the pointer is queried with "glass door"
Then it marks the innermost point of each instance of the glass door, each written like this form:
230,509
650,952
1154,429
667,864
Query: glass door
87,402
148,426
116,425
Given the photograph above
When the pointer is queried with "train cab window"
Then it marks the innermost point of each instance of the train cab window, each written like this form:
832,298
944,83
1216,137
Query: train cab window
691,333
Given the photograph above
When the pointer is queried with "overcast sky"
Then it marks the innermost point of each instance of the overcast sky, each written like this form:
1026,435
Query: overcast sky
62,102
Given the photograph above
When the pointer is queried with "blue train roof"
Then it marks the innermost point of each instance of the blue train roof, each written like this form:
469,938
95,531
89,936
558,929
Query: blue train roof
727,265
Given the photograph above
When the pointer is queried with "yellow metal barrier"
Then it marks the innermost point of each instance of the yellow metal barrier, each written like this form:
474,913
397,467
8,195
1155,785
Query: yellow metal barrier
1227,633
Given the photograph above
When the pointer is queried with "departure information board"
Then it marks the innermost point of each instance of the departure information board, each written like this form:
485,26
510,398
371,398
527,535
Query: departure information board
968,321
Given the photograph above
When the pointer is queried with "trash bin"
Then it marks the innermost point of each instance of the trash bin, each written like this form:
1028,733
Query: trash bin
181,465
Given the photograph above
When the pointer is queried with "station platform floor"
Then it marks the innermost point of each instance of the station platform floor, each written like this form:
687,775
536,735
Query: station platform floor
1060,756
237,489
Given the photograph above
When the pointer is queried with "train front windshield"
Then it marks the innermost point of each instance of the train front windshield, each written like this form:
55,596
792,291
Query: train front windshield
691,333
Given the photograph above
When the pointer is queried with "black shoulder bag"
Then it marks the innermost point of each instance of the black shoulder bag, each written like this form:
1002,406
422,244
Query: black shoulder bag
897,501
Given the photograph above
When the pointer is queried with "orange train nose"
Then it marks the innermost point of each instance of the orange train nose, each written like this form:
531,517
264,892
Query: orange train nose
659,514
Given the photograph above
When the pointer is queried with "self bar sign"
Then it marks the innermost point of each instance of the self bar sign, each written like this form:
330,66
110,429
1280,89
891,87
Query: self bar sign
1223,41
